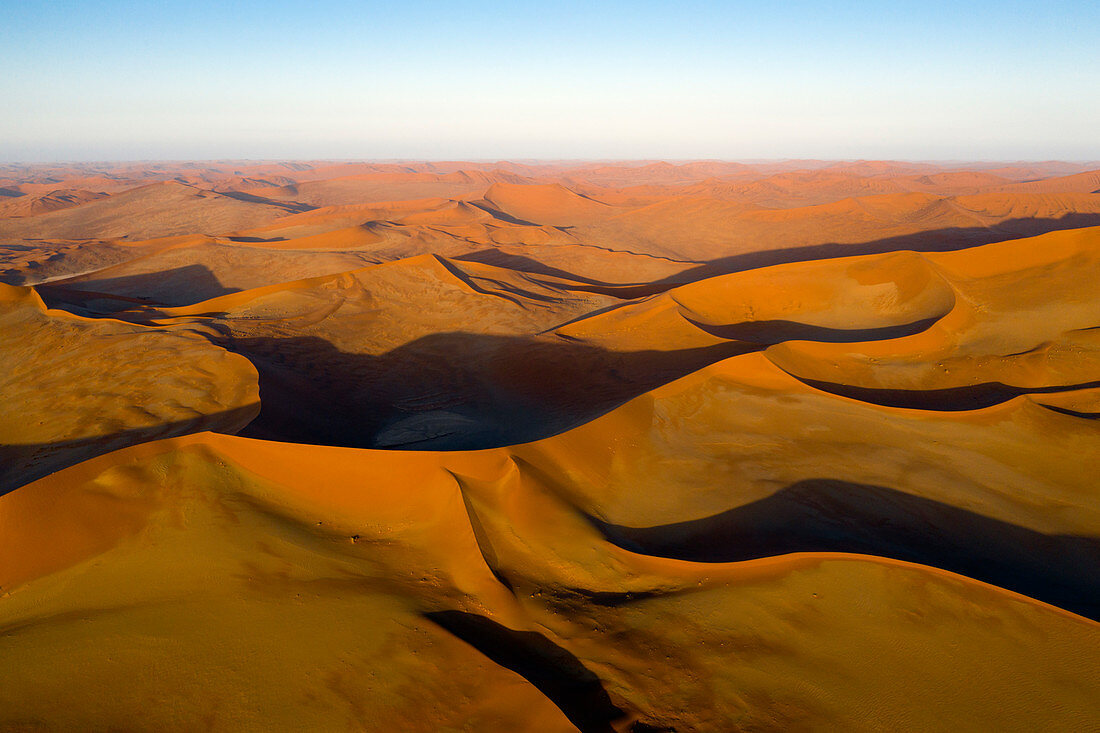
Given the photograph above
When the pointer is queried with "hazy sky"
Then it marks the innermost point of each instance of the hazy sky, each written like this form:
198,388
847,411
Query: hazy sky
197,79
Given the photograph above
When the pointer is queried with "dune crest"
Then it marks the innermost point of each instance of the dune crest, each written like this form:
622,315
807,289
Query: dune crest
485,560
631,446
58,410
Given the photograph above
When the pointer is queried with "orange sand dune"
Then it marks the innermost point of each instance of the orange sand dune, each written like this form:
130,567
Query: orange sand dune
330,218
384,187
551,204
196,269
867,298
707,230
453,213
632,446
1087,182
1023,172
34,204
42,182
76,387
1024,320
355,237
156,210
662,172
804,188
381,371
625,239
24,263
479,584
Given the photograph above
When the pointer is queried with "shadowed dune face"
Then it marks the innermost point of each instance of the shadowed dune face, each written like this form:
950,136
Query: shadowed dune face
189,274
379,373
462,570
76,387
189,281
553,670
550,447
34,204
157,210
449,391
822,515
678,230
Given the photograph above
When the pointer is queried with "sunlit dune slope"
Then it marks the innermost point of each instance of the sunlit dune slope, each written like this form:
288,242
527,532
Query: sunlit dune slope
806,188
675,235
385,187
34,204
24,263
74,387
725,233
194,269
424,352
949,330
503,356
442,591
182,271
1086,182
551,204
155,210
477,230
850,299
1024,319
551,220
742,460
636,447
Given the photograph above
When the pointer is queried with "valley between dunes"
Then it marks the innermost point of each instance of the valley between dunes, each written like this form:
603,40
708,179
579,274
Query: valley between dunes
709,446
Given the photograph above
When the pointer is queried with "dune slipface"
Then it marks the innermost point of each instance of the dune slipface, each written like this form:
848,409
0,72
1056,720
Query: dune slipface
512,446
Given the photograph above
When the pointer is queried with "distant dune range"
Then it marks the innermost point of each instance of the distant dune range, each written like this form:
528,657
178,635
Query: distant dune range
559,446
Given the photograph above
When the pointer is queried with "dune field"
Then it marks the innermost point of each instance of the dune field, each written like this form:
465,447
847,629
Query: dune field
550,446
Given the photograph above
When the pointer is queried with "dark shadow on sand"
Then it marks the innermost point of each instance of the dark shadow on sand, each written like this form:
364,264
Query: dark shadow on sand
774,332
291,207
938,240
449,391
255,240
554,671
827,515
178,286
21,464
953,399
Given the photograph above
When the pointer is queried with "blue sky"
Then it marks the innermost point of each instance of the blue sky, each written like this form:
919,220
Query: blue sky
327,79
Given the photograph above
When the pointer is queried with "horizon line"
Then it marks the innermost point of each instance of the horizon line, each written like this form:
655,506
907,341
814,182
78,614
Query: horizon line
549,160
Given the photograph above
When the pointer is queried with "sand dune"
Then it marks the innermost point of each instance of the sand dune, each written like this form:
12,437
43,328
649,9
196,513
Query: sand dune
1023,320
157,210
385,187
551,204
639,446
614,237
717,231
469,371
804,188
76,387
34,204
488,598
196,269
1086,182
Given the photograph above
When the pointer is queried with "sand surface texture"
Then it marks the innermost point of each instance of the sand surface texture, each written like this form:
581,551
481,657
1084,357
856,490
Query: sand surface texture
548,447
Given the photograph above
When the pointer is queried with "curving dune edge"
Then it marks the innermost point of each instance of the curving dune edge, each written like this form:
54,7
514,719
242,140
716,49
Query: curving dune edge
609,448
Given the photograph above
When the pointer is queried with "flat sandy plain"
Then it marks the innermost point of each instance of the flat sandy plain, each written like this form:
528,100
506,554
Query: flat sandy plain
544,447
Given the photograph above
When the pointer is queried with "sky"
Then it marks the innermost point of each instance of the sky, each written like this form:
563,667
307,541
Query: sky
145,80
